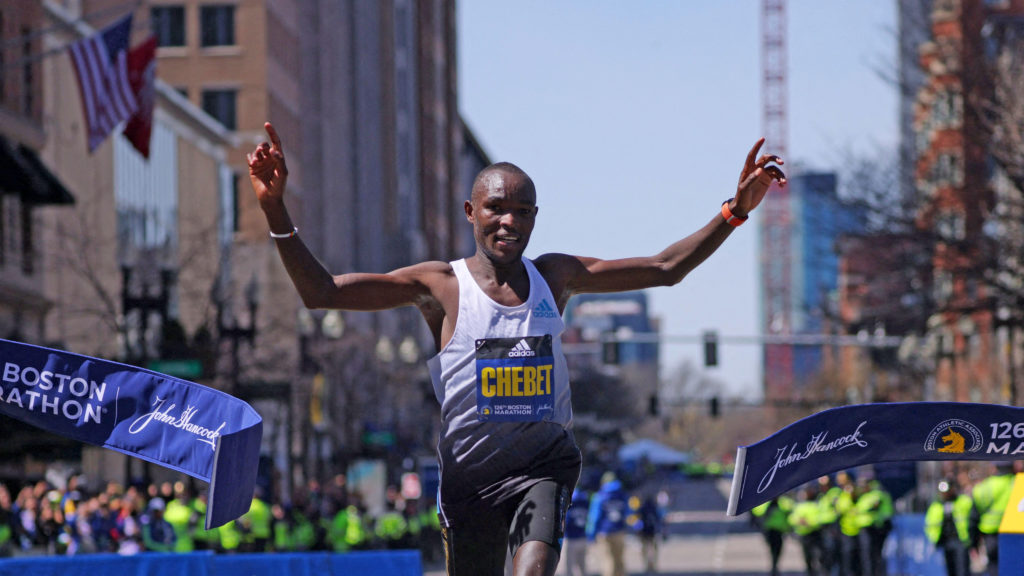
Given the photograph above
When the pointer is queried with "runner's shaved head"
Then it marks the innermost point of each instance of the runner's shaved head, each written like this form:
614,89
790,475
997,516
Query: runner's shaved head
485,178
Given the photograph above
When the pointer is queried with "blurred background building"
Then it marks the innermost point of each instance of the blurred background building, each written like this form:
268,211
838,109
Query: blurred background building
911,295
614,334
166,262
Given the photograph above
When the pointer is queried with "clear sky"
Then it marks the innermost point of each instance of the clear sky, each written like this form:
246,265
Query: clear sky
633,118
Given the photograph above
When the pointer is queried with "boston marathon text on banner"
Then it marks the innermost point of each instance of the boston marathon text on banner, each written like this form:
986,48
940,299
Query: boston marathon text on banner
851,436
182,425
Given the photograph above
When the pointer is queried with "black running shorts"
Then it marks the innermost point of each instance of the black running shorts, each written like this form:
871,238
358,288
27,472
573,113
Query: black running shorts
477,542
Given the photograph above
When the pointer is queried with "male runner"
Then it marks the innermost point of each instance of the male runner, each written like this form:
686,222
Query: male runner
507,455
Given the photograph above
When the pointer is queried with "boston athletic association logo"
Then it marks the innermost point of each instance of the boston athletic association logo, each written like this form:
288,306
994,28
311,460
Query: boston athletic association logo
954,436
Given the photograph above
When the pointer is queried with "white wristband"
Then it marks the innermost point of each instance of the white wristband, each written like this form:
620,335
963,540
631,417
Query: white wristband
294,232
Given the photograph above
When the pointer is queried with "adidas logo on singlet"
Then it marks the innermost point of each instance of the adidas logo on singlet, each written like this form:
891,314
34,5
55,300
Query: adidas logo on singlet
522,349
544,310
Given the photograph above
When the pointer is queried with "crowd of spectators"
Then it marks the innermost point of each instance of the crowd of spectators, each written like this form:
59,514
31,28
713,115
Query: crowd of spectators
39,518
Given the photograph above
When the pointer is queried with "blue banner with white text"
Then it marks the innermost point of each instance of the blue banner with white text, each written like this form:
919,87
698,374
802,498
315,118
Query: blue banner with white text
376,562
851,436
181,425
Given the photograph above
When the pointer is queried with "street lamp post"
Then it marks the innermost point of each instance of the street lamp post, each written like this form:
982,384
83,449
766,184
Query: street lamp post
142,303
312,334
236,332
1006,321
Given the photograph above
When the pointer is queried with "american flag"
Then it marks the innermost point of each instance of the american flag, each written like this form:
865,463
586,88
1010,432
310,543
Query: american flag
101,64
142,72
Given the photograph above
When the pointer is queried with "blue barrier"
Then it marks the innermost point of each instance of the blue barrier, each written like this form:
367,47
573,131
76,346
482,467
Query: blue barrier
1011,553
908,552
390,563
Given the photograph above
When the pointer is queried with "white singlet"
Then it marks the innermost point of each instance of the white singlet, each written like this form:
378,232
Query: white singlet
503,386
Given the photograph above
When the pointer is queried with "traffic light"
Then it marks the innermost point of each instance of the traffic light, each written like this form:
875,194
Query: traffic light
710,349
652,405
610,352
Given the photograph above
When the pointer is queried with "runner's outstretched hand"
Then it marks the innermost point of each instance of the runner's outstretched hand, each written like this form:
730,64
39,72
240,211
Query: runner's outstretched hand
755,179
267,169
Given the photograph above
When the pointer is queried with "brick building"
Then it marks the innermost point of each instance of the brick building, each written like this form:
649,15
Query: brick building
964,198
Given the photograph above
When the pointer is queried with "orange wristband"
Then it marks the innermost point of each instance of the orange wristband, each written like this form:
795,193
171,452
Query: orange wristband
730,218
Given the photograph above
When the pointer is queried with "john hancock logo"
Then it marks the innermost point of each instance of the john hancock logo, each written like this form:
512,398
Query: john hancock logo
183,421
954,436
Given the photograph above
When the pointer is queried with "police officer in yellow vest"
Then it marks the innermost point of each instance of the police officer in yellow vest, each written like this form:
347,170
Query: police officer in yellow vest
430,530
947,525
828,519
182,518
865,522
346,531
256,525
281,528
302,530
990,497
806,522
7,519
851,523
415,523
202,538
391,529
772,518
876,504
293,532
230,537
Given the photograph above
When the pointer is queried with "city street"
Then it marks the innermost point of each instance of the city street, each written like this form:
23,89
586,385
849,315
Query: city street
702,539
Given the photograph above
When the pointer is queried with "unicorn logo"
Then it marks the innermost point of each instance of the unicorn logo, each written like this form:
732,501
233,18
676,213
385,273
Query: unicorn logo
954,443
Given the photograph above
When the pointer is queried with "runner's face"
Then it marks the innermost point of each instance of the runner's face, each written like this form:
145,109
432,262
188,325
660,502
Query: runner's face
503,212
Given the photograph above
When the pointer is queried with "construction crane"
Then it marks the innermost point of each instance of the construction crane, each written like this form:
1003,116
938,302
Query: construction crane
775,249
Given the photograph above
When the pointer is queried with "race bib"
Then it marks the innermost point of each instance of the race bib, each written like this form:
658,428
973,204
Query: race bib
515,379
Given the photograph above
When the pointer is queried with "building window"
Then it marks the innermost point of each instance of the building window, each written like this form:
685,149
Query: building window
951,226
10,227
943,286
218,25
236,191
27,260
947,6
28,101
948,170
923,137
947,110
3,42
925,188
221,105
168,25
971,290
3,229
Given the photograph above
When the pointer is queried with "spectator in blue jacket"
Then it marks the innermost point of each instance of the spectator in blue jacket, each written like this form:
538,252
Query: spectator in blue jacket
651,524
606,524
575,542
157,533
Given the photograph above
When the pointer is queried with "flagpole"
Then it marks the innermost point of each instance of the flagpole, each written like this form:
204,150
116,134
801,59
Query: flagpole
63,49
67,21
738,474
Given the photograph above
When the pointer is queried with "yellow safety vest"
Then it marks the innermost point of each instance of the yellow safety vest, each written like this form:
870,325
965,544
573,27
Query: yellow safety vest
991,496
961,514
805,518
